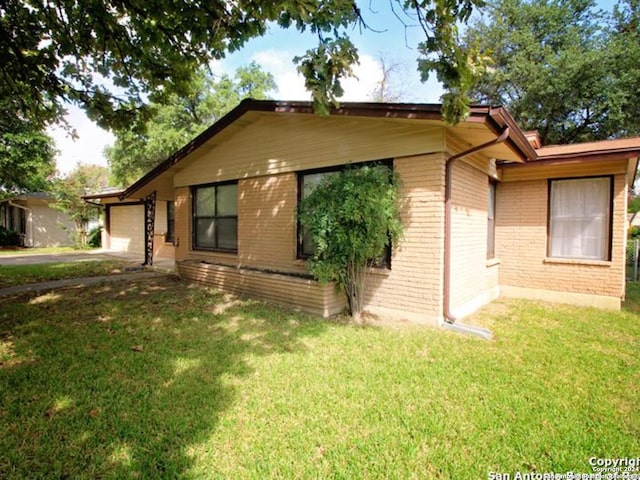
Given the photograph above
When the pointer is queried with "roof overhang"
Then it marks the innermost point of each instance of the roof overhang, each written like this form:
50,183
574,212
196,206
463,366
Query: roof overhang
104,198
491,119
625,152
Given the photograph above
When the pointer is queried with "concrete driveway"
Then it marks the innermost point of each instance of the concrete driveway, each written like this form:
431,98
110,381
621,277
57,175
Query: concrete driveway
80,256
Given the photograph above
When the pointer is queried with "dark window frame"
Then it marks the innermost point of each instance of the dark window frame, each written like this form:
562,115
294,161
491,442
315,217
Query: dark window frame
385,263
194,217
170,234
491,221
608,255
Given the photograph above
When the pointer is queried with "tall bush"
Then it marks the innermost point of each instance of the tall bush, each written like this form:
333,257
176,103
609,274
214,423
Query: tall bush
351,217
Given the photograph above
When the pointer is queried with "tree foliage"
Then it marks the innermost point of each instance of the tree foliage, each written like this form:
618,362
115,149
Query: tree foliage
26,155
69,189
113,58
561,67
181,118
351,217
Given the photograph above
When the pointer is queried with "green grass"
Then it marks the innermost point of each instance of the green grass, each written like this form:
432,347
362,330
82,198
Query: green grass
13,275
156,379
37,251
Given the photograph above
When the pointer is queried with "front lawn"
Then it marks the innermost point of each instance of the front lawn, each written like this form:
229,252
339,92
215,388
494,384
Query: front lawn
156,379
13,275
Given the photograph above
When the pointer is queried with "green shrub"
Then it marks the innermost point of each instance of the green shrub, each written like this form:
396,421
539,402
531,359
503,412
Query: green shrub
351,216
9,238
94,239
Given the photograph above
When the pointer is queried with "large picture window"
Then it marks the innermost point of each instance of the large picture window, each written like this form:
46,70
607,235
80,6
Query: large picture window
215,217
580,218
307,182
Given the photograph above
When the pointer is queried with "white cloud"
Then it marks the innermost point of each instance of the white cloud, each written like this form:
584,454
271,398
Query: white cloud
87,148
280,63
291,84
356,89
366,75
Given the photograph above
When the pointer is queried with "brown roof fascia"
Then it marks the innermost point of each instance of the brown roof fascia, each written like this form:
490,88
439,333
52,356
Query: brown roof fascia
610,154
578,159
498,118
533,136
362,109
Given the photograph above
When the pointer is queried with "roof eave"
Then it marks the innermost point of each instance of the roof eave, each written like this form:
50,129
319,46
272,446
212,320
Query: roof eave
496,118
613,153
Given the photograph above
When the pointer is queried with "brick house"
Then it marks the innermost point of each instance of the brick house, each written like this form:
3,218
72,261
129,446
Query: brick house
487,209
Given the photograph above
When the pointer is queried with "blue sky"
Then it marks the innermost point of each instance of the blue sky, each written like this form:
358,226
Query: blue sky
386,37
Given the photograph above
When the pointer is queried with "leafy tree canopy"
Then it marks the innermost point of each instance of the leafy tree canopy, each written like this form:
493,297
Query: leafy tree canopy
351,217
561,67
26,154
113,58
181,118
69,189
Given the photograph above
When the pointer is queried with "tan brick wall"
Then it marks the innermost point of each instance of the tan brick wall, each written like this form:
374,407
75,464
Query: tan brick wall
266,226
470,277
267,236
414,283
300,293
521,244
161,249
266,222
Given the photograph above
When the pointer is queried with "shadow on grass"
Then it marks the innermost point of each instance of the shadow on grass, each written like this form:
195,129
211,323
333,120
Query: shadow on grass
120,381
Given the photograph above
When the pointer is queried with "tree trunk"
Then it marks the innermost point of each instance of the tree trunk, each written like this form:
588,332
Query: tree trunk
354,286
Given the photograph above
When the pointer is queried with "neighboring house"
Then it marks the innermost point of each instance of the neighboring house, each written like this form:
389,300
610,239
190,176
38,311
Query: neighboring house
33,216
487,210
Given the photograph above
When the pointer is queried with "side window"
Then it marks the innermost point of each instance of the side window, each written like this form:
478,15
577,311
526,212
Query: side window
215,217
171,223
491,221
580,218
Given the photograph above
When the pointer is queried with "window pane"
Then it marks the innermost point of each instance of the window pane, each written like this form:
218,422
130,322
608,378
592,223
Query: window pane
309,183
205,233
170,222
491,201
312,180
170,210
227,200
579,223
205,201
491,215
228,233
307,244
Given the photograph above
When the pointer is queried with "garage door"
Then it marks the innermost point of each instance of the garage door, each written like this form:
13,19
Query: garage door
127,228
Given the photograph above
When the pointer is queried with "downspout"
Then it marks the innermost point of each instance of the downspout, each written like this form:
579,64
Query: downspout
446,294
28,231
